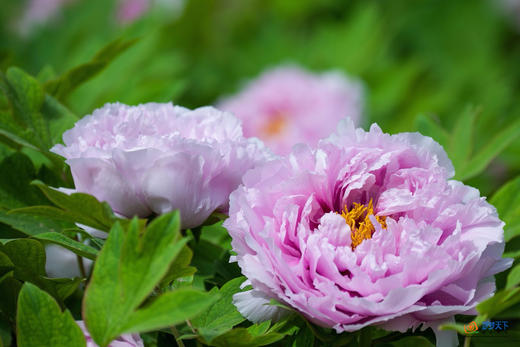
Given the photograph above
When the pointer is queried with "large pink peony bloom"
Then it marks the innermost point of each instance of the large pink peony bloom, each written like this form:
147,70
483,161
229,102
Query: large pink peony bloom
154,158
125,340
367,229
288,105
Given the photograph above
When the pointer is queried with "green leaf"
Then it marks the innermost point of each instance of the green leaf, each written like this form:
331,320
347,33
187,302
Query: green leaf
76,207
27,255
169,309
180,267
58,117
40,321
501,301
513,278
126,271
222,316
26,96
242,337
77,247
493,148
427,126
17,171
461,139
33,225
62,86
507,202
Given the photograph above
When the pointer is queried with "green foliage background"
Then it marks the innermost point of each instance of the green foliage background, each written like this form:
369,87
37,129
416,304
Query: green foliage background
446,68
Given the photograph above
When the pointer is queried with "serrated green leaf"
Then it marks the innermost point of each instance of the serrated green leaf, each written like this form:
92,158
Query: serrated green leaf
77,247
222,316
507,202
169,309
40,321
126,271
493,148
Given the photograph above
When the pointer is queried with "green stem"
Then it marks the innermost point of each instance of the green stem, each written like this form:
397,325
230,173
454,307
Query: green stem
467,341
365,337
176,334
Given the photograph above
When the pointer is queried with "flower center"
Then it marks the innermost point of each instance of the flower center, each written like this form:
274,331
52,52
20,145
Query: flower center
360,225
274,126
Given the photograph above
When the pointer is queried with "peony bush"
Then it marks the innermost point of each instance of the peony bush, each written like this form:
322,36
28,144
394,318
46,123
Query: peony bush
278,216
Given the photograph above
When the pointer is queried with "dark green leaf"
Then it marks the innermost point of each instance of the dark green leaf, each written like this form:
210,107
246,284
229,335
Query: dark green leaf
40,321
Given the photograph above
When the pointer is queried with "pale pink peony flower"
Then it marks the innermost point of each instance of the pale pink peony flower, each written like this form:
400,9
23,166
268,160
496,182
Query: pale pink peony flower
155,158
125,340
288,105
367,229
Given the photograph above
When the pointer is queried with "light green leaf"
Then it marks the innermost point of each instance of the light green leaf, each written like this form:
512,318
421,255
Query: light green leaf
126,271
513,278
461,139
507,202
62,86
494,147
429,127
40,321
169,309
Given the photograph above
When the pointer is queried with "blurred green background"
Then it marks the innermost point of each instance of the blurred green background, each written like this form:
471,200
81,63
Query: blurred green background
425,64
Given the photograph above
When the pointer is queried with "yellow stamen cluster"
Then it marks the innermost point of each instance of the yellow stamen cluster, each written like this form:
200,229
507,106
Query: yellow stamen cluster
360,225
274,126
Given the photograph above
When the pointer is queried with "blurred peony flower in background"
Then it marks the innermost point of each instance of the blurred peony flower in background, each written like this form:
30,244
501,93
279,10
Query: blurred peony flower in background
367,229
288,105
39,12
125,340
130,10
154,158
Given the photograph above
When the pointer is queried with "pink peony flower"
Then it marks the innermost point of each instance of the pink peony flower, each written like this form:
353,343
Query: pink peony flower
288,105
125,340
130,10
154,158
367,229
